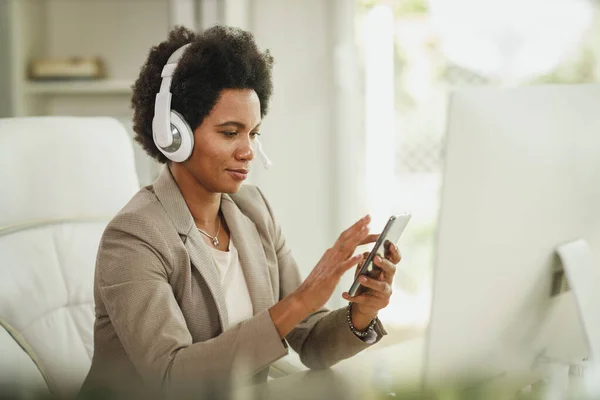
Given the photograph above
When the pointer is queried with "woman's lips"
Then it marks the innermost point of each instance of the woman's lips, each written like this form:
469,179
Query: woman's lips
238,174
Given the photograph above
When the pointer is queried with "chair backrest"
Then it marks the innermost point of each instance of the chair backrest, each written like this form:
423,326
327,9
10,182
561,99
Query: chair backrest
61,180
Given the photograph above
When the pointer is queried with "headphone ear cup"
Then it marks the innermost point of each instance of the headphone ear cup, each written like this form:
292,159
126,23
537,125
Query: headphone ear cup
187,138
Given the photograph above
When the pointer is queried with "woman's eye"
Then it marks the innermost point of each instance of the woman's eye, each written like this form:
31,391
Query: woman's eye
255,134
230,134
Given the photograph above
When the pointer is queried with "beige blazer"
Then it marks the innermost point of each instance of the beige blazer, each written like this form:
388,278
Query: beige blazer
160,308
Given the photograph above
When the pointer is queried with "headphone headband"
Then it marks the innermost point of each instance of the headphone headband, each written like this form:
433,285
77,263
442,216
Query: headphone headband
161,123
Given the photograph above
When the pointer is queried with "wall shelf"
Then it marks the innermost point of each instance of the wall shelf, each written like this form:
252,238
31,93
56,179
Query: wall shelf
96,87
36,30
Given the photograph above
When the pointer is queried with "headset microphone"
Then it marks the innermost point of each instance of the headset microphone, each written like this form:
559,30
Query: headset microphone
265,160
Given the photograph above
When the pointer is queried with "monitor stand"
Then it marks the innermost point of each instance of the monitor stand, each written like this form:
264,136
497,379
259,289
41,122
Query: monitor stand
583,274
557,358
557,354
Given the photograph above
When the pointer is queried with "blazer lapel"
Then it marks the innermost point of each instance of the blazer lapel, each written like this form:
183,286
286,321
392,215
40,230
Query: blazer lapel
170,197
252,256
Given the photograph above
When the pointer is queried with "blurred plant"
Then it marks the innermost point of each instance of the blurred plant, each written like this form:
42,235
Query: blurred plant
400,7
580,70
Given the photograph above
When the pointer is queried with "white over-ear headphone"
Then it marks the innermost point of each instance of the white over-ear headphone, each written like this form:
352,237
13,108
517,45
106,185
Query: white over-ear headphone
171,133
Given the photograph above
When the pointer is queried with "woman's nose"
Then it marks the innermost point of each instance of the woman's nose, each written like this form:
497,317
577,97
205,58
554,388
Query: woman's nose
245,152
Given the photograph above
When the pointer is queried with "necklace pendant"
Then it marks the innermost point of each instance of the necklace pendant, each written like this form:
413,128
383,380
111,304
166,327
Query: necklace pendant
215,242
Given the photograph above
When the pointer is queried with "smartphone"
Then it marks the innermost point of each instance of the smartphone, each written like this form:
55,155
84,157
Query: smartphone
391,233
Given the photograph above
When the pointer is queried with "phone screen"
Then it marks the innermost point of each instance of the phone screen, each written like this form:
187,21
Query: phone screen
391,233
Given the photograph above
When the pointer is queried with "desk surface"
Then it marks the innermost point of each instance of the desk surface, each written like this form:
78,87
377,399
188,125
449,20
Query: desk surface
375,373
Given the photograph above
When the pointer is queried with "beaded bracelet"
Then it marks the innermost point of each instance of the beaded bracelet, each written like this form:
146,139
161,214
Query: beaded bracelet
358,333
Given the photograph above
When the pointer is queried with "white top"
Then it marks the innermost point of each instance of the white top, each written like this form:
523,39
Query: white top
237,297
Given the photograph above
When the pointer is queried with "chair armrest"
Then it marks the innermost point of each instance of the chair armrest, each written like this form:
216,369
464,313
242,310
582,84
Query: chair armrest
19,375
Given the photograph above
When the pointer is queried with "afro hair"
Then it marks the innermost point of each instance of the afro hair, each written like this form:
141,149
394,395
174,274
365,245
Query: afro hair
218,58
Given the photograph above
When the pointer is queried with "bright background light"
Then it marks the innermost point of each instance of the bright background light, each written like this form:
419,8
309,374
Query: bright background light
510,39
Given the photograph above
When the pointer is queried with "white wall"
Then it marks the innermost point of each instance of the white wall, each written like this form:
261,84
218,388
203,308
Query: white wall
314,131
121,32
297,132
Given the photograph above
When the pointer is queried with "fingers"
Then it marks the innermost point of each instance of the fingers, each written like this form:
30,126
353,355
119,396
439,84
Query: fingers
388,268
349,263
375,301
360,264
375,285
351,237
357,226
372,238
391,252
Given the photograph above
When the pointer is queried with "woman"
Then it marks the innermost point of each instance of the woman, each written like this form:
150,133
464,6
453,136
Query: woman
194,280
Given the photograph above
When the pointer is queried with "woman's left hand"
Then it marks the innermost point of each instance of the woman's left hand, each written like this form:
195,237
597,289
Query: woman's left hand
377,296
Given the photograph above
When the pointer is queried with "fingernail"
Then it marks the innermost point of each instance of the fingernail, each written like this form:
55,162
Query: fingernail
366,217
363,279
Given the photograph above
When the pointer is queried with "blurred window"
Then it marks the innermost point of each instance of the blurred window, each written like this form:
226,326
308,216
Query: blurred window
413,52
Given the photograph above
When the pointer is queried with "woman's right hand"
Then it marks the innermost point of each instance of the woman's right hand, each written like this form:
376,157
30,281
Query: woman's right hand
318,287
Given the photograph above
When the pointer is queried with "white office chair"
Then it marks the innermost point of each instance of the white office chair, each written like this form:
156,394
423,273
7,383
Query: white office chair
61,180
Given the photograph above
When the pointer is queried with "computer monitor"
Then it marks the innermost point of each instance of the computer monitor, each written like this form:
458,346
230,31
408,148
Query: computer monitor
521,177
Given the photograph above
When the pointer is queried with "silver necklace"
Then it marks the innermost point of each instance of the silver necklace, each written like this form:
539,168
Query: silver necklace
215,239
